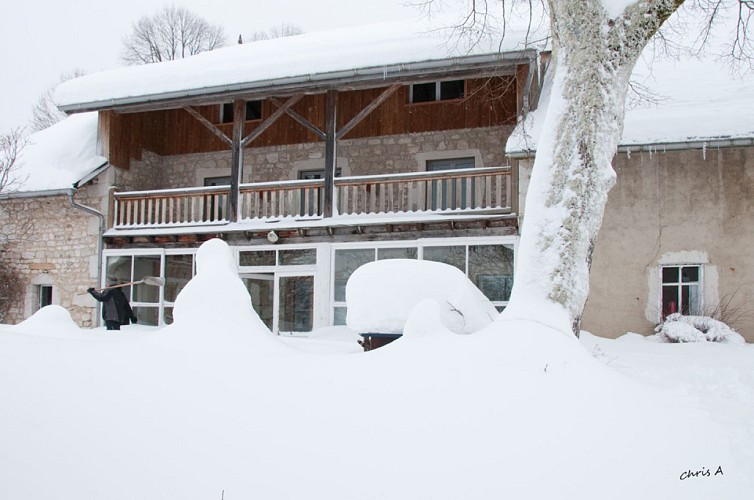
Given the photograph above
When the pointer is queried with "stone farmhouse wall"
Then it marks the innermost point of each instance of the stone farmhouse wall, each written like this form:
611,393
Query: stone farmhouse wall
49,242
377,155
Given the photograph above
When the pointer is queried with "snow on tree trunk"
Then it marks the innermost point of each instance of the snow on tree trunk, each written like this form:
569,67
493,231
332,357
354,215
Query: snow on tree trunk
595,49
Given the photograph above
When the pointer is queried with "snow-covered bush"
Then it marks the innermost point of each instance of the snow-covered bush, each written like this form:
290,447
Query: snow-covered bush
679,328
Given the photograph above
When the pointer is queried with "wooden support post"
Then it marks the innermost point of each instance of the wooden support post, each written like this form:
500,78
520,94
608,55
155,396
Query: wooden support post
331,110
236,162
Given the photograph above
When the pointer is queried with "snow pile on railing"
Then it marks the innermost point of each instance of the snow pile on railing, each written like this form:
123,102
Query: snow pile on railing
678,328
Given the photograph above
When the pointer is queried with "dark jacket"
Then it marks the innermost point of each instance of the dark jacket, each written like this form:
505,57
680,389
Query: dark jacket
115,305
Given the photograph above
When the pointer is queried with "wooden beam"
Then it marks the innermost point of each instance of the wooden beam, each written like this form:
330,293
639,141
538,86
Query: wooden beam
270,120
212,128
236,162
371,107
303,121
331,111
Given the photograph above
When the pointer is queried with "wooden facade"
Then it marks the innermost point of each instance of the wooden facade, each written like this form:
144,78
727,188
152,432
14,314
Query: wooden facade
487,102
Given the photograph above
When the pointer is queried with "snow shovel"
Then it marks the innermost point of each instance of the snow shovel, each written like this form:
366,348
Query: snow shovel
147,280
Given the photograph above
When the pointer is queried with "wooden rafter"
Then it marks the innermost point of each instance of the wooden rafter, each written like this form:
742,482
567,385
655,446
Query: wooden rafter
212,128
366,111
300,119
270,120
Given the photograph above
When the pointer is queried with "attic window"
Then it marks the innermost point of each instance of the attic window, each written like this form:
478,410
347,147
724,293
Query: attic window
253,111
437,91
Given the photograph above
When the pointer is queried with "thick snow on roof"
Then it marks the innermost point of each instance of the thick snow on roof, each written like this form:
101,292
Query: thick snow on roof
59,156
693,99
304,56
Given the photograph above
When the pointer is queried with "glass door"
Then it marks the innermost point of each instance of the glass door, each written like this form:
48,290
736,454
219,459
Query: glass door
261,287
283,301
295,304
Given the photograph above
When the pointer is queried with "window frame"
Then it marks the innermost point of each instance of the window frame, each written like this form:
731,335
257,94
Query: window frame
679,285
225,119
438,92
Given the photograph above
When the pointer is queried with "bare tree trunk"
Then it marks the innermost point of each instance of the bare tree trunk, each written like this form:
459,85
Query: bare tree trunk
594,55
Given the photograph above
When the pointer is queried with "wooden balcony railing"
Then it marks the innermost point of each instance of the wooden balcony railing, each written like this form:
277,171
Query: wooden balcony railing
449,191
443,191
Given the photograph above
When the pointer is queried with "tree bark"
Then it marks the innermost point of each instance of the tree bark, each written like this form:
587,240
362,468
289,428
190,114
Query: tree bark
594,55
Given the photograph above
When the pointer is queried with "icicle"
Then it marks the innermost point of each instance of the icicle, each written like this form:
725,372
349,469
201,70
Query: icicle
628,153
704,150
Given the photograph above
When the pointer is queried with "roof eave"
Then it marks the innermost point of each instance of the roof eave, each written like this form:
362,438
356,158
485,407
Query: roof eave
355,78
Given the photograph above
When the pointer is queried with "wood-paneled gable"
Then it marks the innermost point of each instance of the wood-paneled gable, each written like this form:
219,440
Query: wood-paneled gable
488,102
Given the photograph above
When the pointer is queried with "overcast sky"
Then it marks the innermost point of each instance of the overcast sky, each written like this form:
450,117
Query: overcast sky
42,39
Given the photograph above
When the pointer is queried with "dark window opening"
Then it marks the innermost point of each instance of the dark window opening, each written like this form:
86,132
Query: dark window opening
437,91
453,89
423,92
253,111
45,295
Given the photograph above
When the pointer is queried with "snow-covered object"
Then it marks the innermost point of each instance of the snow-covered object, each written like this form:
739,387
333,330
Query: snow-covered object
381,296
431,317
59,156
216,296
684,108
682,329
305,57
53,319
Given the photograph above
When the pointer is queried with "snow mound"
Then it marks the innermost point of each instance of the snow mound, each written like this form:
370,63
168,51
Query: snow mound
681,329
216,297
381,296
50,320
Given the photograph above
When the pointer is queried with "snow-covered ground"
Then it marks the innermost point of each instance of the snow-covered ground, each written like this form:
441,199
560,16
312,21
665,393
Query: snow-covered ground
216,407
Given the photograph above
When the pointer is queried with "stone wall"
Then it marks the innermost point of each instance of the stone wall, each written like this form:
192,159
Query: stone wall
378,155
49,242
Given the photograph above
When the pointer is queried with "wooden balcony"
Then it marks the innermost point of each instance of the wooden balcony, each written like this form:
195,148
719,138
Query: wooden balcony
447,192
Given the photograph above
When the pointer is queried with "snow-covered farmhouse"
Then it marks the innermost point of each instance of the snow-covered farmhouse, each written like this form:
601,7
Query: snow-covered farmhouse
313,155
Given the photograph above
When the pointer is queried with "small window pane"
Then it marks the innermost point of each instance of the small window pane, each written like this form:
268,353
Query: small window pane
670,300
257,258
451,90
690,274
670,275
168,315
226,113
119,268
146,265
253,110
45,295
346,262
491,270
296,304
303,257
396,253
178,271
147,315
424,92
454,256
339,318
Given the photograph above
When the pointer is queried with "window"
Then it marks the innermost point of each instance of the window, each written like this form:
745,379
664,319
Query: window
44,296
436,91
312,199
681,290
444,193
253,111
489,267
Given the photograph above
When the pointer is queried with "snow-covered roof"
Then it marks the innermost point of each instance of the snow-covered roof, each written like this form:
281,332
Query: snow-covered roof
58,157
374,52
693,99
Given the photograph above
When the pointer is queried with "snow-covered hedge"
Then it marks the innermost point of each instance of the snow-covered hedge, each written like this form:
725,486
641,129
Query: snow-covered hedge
679,328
